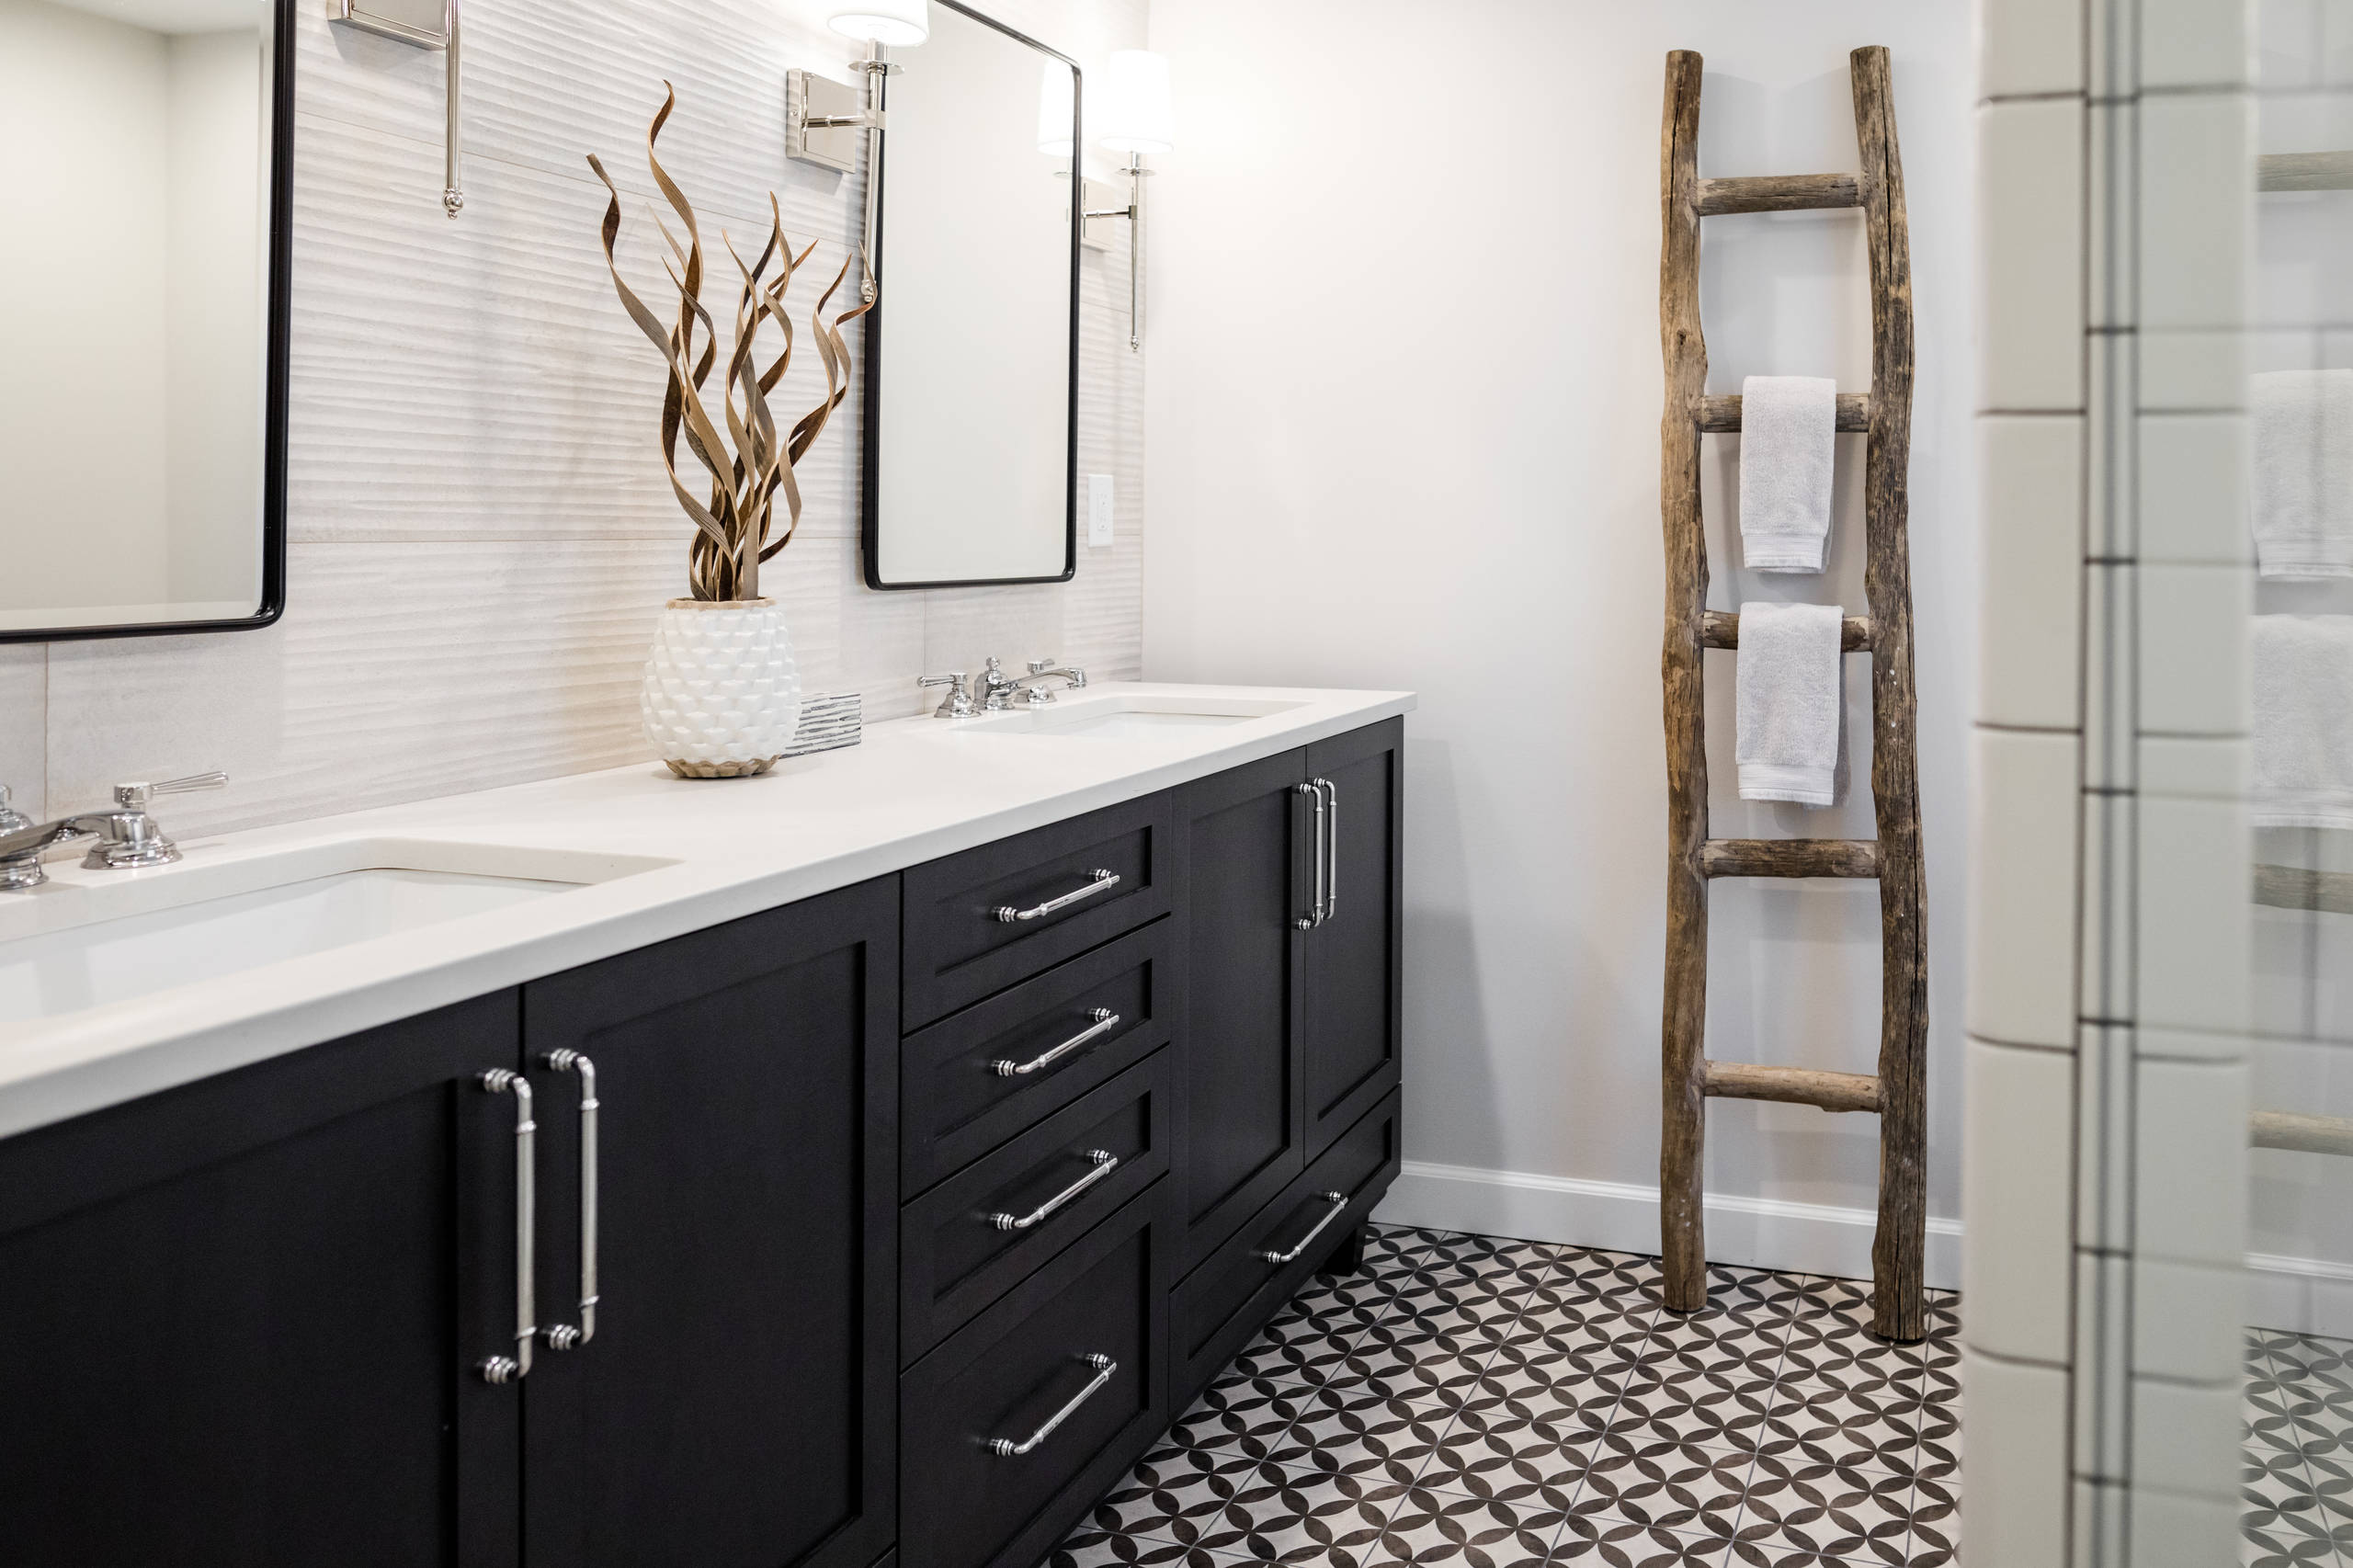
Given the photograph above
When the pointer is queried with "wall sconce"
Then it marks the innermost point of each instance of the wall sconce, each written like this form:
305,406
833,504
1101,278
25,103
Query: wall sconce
1137,118
427,24
822,117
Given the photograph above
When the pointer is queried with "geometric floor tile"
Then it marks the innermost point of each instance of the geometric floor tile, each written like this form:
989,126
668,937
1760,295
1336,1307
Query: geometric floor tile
1475,1401
2296,1452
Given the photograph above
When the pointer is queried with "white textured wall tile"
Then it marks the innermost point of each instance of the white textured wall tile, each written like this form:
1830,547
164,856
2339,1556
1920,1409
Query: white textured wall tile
483,530
2182,1530
2031,255
400,671
2186,1436
2187,1322
2022,894
2193,488
2017,1168
2030,512
2192,367
2193,769
2195,262
2189,1152
2193,650
2191,915
2194,43
2030,46
24,724
2014,1481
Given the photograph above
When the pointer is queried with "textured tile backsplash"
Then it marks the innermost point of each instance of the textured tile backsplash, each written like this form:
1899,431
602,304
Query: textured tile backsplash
479,528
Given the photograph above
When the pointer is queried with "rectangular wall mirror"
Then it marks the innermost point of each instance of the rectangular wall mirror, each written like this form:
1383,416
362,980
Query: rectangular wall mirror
144,148
972,355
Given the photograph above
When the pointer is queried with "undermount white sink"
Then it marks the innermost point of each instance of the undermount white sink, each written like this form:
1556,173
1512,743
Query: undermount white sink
83,943
1128,716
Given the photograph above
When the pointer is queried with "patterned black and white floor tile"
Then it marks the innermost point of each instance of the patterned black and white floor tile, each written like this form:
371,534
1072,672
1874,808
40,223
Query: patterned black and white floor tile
1471,1401
2296,1482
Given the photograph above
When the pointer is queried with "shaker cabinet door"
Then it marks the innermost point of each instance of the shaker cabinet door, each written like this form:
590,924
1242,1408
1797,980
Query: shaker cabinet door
1353,954
1243,869
239,1320
734,1407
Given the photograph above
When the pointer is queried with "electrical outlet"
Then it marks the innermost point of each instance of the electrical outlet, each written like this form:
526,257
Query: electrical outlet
1100,499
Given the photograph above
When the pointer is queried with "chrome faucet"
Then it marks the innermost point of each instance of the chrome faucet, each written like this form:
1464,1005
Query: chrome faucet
958,703
128,838
1035,693
997,690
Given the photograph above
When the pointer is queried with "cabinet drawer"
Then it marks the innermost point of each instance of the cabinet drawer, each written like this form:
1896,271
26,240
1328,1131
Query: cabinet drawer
972,1498
1227,1299
980,921
967,1241
959,1103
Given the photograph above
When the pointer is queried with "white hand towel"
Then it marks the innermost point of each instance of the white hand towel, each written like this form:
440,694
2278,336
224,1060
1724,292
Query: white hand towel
2304,720
1791,703
2304,473
1789,440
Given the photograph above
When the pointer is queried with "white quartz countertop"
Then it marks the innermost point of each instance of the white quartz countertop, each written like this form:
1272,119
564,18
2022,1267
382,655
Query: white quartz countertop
914,790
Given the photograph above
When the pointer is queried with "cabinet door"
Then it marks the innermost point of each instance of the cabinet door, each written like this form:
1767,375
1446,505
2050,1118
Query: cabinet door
736,1404
241,1318
1353,955
1244,877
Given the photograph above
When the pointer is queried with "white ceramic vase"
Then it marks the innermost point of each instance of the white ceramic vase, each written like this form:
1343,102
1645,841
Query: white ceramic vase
722,697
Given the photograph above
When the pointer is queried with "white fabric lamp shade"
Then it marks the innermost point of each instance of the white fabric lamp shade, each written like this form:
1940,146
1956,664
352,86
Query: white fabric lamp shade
1136,116
898,23
1057,104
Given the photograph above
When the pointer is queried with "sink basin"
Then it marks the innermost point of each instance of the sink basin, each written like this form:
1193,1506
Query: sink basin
1129,716
84,943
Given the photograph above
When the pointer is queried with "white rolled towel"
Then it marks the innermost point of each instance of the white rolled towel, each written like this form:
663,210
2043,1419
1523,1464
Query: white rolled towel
1790,703
2302,441
2304,720
1788,444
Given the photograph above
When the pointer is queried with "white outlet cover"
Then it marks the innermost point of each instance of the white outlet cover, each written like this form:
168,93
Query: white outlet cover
1101,499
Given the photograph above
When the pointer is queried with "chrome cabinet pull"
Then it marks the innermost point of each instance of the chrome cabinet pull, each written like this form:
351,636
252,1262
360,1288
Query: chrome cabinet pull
566,1335
1315,915
1005,1447
1105,1022
1338,1201
1105,881
511,1369
1331,852
1105,1163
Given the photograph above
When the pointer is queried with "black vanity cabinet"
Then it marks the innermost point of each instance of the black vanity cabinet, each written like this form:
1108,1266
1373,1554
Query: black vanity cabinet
1355,957
238,1318
919,1210
1292,877
736,1403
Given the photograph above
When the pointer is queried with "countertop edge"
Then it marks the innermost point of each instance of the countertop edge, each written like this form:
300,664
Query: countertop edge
90,1062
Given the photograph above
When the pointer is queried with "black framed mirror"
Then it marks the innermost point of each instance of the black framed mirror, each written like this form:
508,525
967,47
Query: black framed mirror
146,260
971,354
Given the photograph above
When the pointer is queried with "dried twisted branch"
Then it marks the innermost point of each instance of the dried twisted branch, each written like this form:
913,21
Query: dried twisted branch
750,465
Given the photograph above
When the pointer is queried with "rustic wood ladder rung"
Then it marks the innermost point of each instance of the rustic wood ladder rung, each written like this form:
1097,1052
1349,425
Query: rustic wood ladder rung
1898,1092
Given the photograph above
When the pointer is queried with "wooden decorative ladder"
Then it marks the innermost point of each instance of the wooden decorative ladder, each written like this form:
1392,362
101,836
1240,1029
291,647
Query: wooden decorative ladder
1898,1092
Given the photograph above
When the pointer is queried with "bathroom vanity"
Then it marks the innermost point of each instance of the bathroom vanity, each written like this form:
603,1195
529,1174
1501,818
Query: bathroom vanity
870,1169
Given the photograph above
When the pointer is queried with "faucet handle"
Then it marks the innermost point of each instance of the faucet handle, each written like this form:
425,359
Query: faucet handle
958,703
11,819
1039,666
135,796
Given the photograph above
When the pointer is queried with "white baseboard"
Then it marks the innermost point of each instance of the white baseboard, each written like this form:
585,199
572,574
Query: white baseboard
1765,1233
2303,1295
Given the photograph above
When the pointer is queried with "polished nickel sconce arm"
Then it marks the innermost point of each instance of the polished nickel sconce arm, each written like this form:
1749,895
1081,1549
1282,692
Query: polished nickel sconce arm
819,104
1134,213
381,18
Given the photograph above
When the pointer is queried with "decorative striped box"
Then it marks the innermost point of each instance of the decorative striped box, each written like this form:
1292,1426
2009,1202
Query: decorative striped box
828,722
